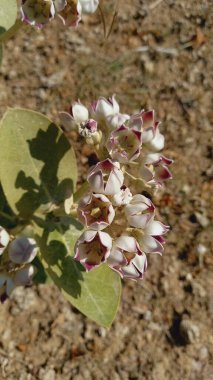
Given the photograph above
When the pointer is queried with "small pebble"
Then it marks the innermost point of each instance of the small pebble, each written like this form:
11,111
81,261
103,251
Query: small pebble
190,331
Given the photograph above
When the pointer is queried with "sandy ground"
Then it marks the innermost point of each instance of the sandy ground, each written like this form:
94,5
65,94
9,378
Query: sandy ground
158,55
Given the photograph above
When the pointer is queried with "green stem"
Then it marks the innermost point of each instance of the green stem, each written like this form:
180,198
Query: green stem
4,37
81,191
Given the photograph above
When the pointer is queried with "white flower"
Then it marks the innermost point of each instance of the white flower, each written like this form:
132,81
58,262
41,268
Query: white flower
123,197
37,12
78,116
139,211
116,120
4,239
89,6
127,258
150,238
154,169
103,107
106,177
93,248
95,211
124,144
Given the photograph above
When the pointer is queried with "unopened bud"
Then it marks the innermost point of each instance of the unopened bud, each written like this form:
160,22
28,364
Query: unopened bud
4,239
23,250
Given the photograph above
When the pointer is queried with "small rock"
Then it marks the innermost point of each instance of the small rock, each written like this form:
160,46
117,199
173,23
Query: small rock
202,219
201,249
190,332
49,375
203,354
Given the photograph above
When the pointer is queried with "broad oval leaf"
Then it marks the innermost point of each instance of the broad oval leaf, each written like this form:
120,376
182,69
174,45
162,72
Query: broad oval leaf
38,166
8,14
97,293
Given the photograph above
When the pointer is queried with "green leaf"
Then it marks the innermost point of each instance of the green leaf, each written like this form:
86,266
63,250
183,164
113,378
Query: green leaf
8,14
38,166
97,293
41,276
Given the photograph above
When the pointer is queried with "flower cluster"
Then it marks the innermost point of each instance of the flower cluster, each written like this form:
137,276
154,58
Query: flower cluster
120,227
40,12
15,264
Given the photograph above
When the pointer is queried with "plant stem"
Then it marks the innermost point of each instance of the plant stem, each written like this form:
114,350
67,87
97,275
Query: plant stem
81,191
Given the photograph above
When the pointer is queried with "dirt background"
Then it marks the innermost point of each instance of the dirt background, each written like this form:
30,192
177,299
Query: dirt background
158,55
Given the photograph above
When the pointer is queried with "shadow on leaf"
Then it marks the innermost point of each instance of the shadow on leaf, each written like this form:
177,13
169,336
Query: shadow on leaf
43,189
65,272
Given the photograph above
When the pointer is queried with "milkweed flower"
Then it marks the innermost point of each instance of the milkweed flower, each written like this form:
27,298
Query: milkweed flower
127,258
93,248
95,211
128,147
39,12
151,238
4,239
106,177
151,136
124,144
154,169
123,197
89,6
14,262
139,211
71,13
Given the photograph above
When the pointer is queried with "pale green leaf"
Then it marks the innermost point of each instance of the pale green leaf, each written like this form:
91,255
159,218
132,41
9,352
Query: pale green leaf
97,293
8,14
38,166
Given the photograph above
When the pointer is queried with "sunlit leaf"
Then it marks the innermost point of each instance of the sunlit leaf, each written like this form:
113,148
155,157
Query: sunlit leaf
97,293
38,167
8,14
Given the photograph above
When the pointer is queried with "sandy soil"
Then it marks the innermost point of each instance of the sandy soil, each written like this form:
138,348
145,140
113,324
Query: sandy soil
158,55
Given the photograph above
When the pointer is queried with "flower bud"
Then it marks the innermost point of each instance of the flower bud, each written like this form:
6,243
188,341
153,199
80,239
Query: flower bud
95,211
103,108
139,211
93,248
106,177
23,250
24,276
127,258
8,282
4,239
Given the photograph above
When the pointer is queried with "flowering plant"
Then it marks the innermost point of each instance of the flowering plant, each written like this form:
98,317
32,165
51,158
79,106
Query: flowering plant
83,240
